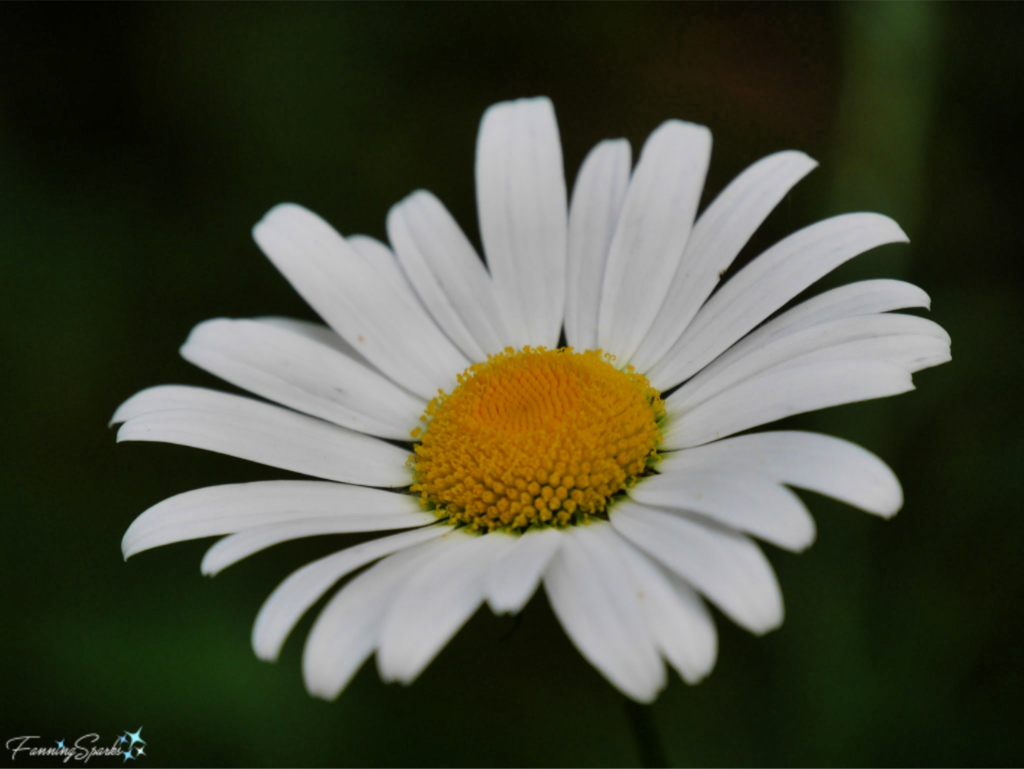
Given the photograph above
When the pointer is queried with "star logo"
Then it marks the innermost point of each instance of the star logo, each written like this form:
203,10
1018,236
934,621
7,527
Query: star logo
140,752
127,754
60,745
135,737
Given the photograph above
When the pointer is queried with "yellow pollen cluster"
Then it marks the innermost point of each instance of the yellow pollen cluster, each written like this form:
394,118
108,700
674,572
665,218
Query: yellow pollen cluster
535,437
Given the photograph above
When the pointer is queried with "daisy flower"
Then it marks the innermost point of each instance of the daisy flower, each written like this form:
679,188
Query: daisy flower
612,465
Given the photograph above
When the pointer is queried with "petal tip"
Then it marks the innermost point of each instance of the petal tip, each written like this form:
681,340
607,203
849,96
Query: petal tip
769,624
276,216
208,567
811,162
682,130
119,413
901,236
265,651
889,511
501,607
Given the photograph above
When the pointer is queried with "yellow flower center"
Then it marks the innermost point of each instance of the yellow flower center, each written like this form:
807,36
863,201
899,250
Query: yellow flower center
535,437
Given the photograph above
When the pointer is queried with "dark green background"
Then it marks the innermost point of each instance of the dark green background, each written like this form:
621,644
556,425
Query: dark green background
140,143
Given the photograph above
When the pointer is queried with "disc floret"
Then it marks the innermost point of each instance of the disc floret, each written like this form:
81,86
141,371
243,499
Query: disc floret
535,436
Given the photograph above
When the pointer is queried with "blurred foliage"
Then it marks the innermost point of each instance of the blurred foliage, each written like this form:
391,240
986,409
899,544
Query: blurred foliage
139,144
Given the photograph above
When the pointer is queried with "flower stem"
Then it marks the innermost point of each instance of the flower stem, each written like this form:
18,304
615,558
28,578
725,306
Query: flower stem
645,734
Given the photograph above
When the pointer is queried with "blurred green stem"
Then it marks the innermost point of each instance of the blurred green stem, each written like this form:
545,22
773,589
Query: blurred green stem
893,55
645,734
883,126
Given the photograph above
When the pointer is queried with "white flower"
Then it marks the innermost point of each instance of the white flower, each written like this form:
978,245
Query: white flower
558,467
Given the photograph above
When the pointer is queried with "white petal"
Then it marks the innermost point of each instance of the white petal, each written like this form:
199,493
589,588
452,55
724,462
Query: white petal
855,299
259,432
226,509
303,374
317,332
447,273
905,340
679,622
655,223
745,501
593,214
782,393
166,397
435,602
346,631
821,463
513,579
325,335
592,596
719,234
767,283
520,187
237,547
379,258
911,352
292,598
724,565
361,298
